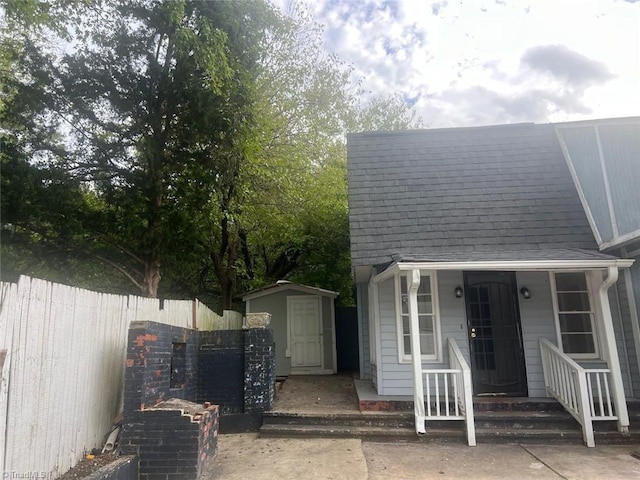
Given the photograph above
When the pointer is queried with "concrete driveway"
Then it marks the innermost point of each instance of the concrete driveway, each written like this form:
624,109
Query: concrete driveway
246,456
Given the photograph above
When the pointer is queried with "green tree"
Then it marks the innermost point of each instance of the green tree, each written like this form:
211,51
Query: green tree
204,141
290,217
144,93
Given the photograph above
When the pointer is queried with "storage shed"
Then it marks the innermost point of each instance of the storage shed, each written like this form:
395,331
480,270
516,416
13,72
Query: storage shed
303,323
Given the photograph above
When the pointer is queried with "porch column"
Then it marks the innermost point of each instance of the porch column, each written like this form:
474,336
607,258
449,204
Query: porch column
613,360
413,283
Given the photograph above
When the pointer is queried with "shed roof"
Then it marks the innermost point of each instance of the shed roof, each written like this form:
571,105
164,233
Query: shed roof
282,285
462,191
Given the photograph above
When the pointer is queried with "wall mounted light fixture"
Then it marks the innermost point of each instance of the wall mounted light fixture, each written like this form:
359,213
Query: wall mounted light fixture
525,292
458,291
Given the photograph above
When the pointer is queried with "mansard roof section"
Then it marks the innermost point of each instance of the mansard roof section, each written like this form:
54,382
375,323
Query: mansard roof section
604,159
504,187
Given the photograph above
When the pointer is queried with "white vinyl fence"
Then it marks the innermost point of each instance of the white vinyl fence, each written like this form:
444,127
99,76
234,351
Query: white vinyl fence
62,352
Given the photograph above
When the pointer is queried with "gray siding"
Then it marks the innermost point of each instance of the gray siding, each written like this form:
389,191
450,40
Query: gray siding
276,305
537,321
363,309
327,332
583,150
624,336
453,314
635,283
397,377
620,152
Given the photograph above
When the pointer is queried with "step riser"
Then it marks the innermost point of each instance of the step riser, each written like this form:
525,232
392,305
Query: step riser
458,436
408,423
478,406
553,423
516,424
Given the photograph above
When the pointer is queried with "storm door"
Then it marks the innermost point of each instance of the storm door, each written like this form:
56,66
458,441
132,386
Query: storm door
495,339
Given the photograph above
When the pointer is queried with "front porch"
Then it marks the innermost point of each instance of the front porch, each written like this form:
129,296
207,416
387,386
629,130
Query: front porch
345,407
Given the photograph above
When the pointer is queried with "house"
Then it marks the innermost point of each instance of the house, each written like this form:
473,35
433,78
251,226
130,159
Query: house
303,323
471,246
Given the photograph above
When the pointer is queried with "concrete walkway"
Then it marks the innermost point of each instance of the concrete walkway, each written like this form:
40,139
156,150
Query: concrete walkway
246,456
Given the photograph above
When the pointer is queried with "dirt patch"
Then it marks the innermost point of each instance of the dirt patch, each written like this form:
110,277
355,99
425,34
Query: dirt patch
86,467
317,393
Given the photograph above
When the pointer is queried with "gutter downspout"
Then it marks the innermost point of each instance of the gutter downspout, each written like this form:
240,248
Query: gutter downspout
413,283
612,351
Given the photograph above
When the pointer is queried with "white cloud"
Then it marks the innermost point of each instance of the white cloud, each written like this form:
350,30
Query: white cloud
566,65
487,61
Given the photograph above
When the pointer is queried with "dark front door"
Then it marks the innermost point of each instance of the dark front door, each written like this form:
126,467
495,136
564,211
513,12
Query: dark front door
495,340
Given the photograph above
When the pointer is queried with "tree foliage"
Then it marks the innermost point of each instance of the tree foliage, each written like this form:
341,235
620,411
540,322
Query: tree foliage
201,141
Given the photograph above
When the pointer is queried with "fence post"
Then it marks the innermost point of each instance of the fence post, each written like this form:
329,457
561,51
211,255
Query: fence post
259,364
585,411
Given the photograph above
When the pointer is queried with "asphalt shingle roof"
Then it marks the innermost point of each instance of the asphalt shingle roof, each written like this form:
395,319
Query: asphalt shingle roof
462,190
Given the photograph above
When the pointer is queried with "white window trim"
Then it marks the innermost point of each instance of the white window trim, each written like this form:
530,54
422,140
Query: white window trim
595,318
437,356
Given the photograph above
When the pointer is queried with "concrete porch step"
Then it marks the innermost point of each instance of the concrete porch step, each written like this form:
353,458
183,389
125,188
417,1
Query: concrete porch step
498,420
455,433
452,434
371,433
491,427
356,419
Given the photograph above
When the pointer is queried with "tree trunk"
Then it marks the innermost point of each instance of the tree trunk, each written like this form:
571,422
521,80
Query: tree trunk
151,278
226,293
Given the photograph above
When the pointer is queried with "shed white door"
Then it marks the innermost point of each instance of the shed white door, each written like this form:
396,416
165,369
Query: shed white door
305,340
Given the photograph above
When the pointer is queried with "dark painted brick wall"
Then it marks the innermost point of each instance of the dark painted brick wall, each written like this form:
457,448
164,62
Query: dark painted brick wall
208,438
260,370
124,468
170,444
221,369
237,370
148,365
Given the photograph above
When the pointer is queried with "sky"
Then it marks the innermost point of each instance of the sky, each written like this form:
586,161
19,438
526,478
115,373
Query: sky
484,62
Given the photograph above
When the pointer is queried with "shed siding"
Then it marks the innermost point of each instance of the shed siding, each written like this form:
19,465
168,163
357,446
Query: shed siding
276,305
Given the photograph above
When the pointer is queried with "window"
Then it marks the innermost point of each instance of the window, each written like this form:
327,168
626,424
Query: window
427,318
178,365
575,315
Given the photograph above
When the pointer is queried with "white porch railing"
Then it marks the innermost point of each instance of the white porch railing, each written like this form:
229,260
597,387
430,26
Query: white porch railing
583,392
449,393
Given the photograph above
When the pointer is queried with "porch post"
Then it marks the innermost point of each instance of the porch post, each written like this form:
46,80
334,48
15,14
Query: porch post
612,351
413,283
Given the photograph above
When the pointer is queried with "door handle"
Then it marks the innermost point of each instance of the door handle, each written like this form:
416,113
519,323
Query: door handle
473,333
